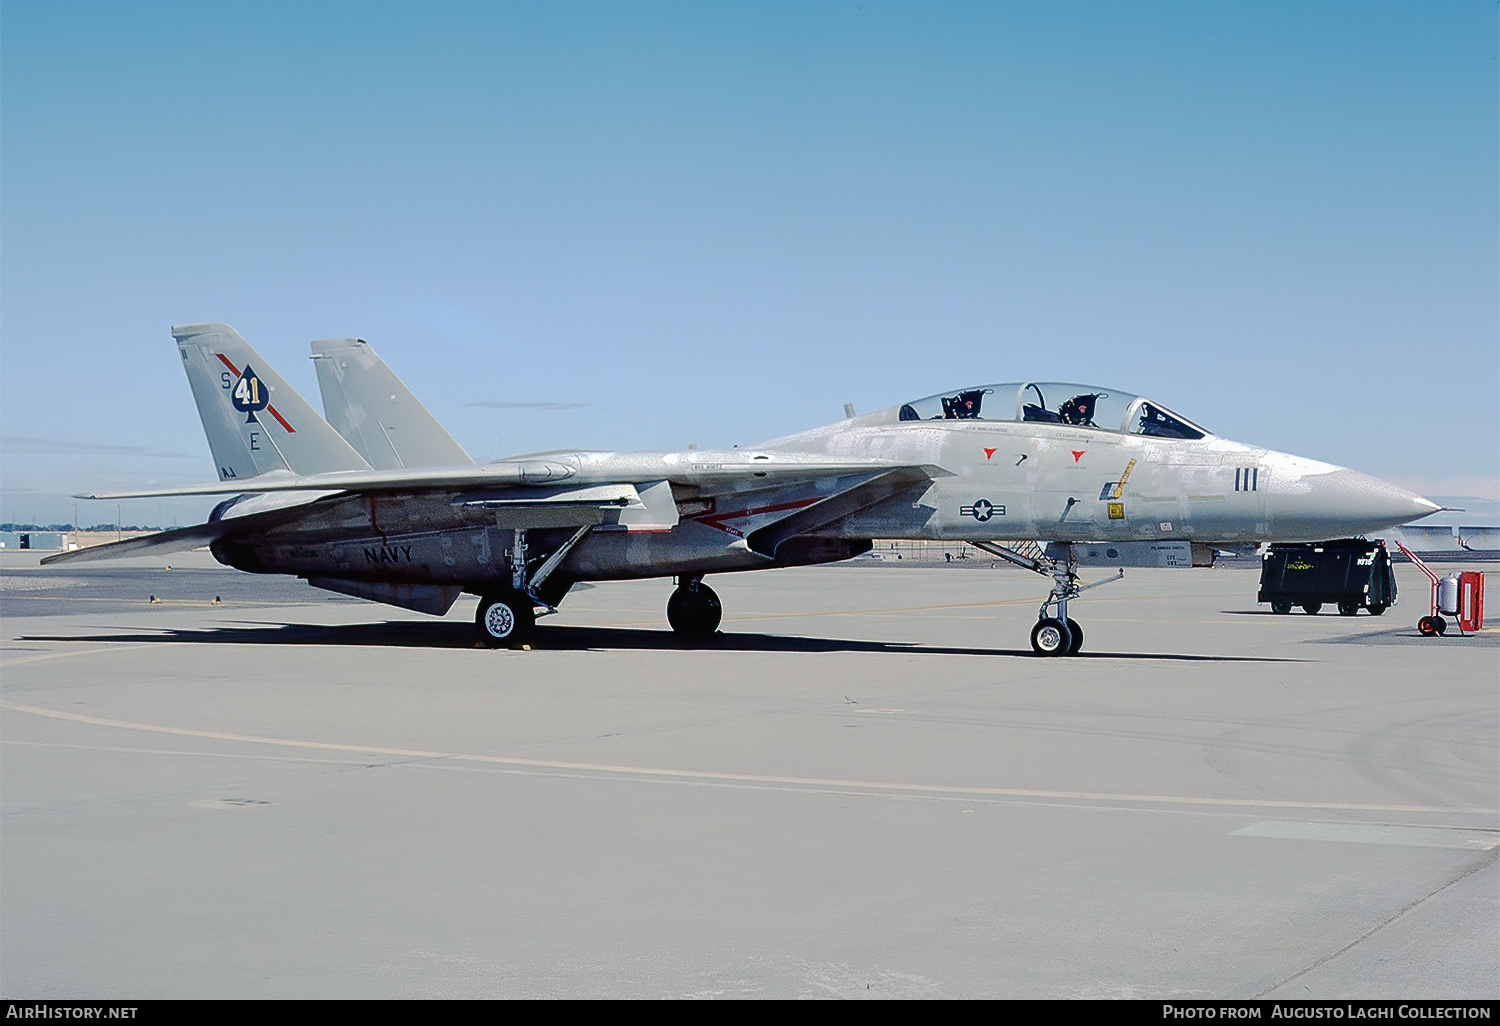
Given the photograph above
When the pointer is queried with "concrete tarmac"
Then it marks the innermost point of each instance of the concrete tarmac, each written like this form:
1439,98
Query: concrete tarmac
867,787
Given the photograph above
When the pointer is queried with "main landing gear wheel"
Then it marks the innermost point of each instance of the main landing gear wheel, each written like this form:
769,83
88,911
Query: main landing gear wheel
1432,626
1311,608
1348,608
1052,637
505,620
694,610
1376,608
1281,608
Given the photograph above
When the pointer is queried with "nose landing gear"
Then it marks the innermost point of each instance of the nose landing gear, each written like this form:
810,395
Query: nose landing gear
694,610
1055,633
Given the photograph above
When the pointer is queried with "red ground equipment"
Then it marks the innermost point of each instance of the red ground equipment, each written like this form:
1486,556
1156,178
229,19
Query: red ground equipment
1458,595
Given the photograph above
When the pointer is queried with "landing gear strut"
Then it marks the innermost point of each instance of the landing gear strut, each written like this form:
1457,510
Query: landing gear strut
506,616
694,610
1055,634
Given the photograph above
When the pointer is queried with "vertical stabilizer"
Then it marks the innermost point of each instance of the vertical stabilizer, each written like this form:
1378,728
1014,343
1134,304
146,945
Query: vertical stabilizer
255,421
376,413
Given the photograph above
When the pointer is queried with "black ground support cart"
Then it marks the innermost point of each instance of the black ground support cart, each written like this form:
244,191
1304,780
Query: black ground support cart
1351,573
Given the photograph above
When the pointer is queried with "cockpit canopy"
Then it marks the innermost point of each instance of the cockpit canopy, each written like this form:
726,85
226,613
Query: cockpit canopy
1054,402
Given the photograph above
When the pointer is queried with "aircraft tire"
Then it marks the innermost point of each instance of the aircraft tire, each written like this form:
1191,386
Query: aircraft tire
1076,645
1376,608
505,620
1311,608
1281,607
1348,608
1051,637
694,611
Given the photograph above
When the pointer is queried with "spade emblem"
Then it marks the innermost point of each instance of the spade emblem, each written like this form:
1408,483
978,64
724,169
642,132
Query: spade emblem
250,394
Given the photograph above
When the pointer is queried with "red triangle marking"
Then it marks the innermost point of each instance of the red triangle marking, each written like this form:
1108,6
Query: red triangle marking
1077,455
989,452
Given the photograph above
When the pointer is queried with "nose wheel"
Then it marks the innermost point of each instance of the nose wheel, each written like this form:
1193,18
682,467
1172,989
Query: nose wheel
1054,637
694,610
1077,644
1051,637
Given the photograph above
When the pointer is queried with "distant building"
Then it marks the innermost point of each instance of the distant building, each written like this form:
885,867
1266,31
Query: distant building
52,541
44,540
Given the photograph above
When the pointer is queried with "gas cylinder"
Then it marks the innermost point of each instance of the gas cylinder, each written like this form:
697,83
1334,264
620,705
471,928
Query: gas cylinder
1448,595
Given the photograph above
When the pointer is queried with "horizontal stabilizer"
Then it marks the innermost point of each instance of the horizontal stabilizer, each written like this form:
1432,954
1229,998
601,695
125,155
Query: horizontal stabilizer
179,539
253,513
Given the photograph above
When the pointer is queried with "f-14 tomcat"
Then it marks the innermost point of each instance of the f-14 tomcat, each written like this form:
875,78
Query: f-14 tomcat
378,501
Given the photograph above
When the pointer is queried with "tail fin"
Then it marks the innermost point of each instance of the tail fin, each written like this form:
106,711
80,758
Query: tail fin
376,413
255,421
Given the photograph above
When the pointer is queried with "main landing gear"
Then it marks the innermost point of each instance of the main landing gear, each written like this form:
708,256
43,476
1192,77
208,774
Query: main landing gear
694,610
1055,633
506,617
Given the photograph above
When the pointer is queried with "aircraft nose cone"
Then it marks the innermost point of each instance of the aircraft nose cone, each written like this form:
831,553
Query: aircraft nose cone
1341,503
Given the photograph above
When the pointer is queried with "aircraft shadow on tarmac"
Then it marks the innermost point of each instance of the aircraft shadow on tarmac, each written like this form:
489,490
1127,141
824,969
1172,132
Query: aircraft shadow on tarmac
409,634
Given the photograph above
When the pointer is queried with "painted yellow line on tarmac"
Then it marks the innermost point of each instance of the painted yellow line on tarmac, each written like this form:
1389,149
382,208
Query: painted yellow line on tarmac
741,778
7,664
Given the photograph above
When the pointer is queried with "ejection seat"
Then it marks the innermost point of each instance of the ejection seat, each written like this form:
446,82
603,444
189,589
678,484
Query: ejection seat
1080,409
964,406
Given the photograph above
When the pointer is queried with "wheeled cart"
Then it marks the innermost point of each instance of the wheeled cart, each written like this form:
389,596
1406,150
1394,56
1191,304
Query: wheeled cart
1459,595
1351,573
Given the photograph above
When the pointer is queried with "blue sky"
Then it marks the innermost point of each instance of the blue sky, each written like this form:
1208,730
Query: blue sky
715,223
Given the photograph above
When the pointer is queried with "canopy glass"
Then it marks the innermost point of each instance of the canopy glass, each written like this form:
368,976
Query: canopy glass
1054,402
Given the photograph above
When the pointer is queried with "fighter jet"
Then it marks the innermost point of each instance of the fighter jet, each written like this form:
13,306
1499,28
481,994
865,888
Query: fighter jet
1047,475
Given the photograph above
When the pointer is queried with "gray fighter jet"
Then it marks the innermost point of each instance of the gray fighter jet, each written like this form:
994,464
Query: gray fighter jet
389,507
